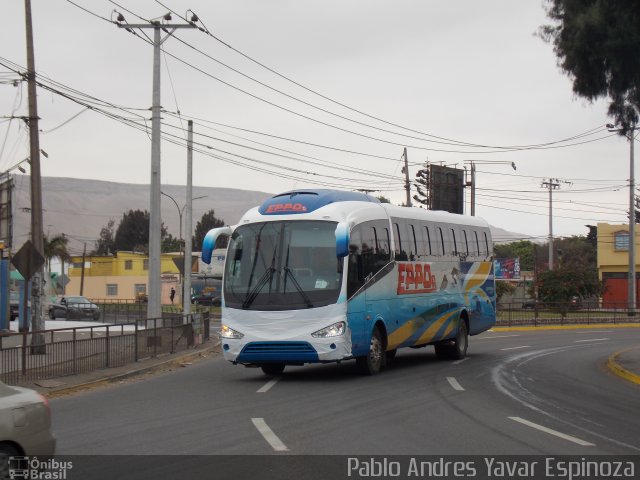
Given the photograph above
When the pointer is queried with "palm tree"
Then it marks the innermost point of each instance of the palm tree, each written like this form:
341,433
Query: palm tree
56,247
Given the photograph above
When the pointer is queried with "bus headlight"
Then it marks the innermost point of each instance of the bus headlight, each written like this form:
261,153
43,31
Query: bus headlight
226,332
334,330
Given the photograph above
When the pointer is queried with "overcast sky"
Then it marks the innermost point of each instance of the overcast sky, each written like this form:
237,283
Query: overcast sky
462,70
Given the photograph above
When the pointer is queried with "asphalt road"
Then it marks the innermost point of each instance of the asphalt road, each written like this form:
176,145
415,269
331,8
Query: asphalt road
543,392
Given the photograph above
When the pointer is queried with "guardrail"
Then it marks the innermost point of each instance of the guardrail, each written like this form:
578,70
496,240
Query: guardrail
69,351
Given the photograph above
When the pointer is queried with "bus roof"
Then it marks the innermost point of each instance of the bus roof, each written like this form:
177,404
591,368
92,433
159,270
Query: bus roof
347,206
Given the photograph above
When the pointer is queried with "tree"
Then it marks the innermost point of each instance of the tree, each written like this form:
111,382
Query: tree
522,249
383,199
503,288
597,43
170,244
575,275
133,234
106,242
56,247
422,186
206,223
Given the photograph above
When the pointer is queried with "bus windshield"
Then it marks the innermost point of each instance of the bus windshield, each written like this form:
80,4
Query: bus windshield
285,265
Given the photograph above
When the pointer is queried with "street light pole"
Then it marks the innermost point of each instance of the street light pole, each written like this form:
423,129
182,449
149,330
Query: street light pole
187,271
472,184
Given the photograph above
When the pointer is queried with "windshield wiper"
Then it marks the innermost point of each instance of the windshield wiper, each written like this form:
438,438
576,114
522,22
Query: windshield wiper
304,295
264,279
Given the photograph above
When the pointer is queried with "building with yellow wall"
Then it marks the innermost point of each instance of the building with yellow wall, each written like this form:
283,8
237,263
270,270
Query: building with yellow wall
613,263
122,276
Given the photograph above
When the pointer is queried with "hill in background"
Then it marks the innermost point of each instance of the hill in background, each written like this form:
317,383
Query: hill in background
80,208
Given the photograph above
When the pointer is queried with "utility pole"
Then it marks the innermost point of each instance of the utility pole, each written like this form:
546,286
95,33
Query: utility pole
407,183
154,307
629,133
84,255
551,184
631,282
186,283
473,189
37,323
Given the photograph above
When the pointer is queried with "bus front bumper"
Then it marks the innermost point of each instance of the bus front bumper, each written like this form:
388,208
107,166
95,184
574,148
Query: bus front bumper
289,352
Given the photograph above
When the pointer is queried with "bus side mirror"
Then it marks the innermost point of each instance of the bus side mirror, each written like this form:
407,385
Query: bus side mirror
342,240
209,242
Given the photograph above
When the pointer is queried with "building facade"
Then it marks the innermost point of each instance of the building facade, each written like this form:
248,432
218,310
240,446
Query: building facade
123,276
613,264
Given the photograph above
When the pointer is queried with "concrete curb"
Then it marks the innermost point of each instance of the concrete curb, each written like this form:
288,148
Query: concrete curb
619,370
174,361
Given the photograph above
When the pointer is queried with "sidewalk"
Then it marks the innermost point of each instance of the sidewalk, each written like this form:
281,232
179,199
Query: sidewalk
56,387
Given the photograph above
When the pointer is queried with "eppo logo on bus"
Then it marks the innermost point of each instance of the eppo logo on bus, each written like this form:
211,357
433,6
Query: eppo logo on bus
286,207
415,278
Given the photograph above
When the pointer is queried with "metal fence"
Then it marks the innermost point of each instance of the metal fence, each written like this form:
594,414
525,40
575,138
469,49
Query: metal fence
534,314
69,351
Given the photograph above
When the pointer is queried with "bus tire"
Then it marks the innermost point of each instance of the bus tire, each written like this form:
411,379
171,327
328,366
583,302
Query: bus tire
391,354
455,349
272,368
371,363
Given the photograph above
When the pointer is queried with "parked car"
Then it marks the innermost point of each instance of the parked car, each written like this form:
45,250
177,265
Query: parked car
25,425
207,298
532,303
74,308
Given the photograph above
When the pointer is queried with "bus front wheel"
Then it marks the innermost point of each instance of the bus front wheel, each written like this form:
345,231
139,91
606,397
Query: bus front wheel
371,363
272,368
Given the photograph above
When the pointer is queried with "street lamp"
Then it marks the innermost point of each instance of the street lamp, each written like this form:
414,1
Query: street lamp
472,183
180,212
631,279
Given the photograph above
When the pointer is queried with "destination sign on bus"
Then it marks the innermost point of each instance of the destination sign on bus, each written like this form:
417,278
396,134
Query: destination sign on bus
286,207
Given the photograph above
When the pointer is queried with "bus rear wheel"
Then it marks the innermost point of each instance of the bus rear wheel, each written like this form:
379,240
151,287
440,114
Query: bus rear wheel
371,363
272,368
455,349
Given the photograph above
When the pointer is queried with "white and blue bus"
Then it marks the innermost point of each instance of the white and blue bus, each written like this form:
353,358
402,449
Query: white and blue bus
315,276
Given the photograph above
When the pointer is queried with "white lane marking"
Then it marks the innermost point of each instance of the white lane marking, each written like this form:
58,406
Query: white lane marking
486,337
267,386
454,384
516,348
592,340
458,362
271,438
552,432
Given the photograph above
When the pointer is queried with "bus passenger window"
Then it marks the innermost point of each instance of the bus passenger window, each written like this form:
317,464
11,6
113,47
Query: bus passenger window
401,254
454,243
442,244
466,243
477,243
413,244
428,242
486,244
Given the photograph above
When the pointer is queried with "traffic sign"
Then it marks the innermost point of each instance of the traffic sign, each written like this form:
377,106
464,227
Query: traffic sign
28,260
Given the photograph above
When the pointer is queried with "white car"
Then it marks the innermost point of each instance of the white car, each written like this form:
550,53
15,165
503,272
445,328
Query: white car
25,425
